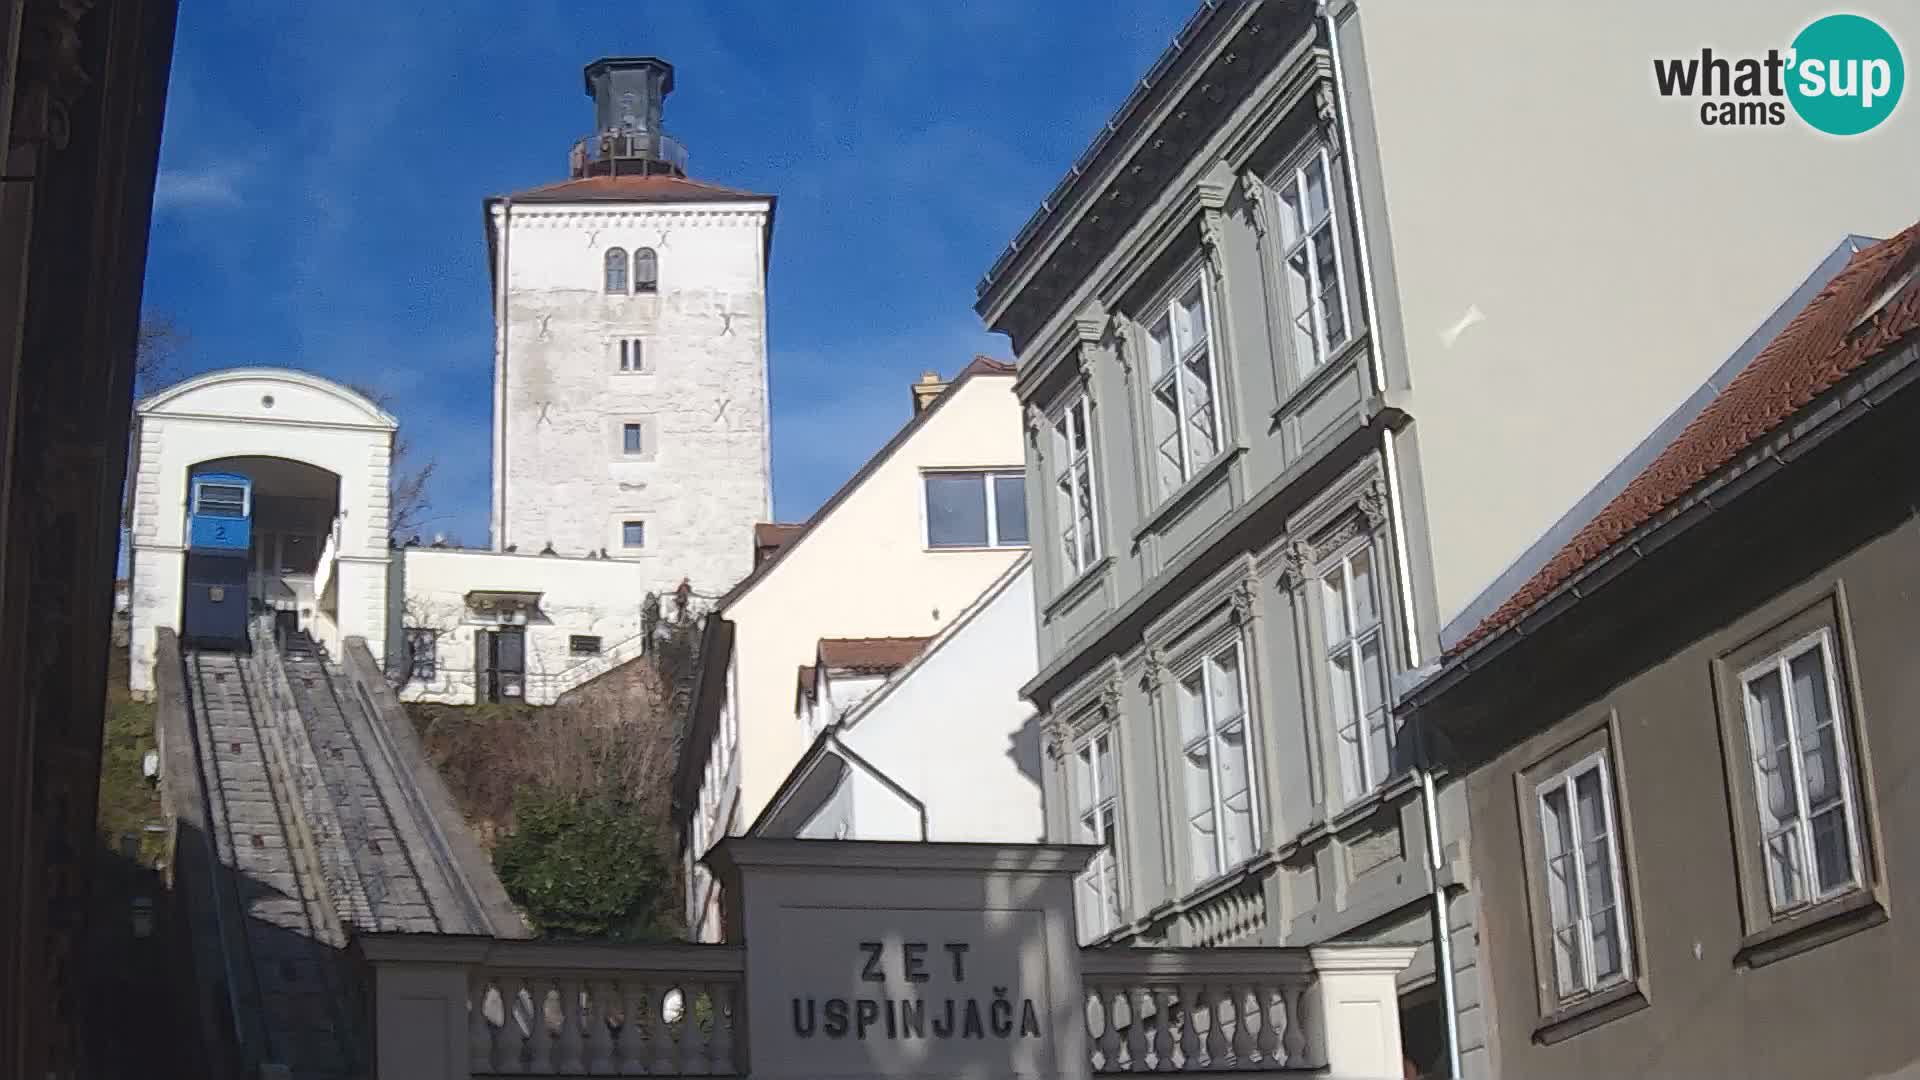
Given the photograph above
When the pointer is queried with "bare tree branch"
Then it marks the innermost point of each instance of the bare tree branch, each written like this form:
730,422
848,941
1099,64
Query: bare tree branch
408,499
157,351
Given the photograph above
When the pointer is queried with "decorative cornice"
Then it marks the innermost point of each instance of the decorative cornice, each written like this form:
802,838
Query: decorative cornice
1156,672
1058,736
1212,191
1328,114
51,75
1117,331
1091,325
1036,423
1245,601
1110,699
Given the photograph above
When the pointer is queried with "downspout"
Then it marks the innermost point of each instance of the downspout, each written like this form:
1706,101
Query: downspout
1429,796
503,213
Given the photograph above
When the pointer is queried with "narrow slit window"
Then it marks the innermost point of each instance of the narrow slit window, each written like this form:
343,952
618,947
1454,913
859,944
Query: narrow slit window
630,439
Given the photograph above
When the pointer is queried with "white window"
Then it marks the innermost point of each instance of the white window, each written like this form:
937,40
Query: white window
1357,671
632,354
1217,770
1590,942
976,509
1809,811
1073,481
1316,296
1186,407
1096,809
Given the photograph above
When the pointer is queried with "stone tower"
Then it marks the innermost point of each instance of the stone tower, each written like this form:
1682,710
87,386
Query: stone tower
630,350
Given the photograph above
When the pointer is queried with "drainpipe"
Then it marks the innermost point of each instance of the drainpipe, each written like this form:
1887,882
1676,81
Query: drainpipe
1429,797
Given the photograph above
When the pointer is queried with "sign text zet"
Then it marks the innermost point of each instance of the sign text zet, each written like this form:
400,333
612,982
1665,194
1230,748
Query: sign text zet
903,1013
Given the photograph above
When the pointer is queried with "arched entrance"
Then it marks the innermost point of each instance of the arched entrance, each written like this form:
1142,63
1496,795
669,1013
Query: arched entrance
295,527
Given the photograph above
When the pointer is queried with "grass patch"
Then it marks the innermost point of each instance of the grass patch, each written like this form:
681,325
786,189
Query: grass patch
128,801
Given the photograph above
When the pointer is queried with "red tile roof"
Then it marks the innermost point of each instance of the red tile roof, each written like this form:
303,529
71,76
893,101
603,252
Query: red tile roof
770,536
1821,346
986,365
870,655
656,188
808,676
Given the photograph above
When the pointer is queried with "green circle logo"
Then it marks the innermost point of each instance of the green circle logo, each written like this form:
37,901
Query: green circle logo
1847,74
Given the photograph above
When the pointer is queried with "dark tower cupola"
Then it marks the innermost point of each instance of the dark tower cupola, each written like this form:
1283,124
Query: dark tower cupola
628,94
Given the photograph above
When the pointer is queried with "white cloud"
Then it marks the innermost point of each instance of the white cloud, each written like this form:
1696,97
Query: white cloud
207,186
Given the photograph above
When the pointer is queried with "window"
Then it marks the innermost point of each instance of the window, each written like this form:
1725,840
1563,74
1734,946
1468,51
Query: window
630,439
583,645
976,509
1810,846
632,356
222,500
1073,468
423,654
633,534
646,270
1316,298
1217,766
1186,408
1589,939
1357,671
1095,816
616,272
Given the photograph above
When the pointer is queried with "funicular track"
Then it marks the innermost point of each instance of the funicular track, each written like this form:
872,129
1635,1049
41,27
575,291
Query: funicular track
290,934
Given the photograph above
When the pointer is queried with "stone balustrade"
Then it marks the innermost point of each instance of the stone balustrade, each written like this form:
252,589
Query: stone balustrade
450,1008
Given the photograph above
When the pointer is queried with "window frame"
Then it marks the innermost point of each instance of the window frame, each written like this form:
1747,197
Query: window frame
633,438
1772,935
1164,308
576,645
1088,736
649,283
1339,556
624,523
1566,781
1079,471
987,477
630,355
1199,660
1293,174
615,262
1562,1016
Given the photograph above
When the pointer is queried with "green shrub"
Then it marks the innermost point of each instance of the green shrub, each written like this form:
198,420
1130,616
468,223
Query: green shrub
586,866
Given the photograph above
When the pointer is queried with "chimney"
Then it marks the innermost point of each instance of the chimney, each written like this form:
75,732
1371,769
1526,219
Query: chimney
924,391
628,94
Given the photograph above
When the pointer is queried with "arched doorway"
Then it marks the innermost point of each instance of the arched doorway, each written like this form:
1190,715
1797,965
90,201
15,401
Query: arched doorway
295,534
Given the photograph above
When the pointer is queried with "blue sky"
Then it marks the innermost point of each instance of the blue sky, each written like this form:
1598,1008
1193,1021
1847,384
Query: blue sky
324,164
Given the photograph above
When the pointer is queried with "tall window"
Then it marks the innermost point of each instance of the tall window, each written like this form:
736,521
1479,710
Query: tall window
1316,298
1096,808
632,356
976,509
646,270
1073,467
630,441
616,272
1186,408
1579,839
1803,775
1357,671
1217,770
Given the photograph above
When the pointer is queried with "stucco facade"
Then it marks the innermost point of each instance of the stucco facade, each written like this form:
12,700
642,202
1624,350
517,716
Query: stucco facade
944,750
862,568
263,420
687,364
1576,247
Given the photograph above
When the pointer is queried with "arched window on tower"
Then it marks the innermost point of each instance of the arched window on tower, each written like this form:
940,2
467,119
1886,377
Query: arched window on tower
646,271
616,271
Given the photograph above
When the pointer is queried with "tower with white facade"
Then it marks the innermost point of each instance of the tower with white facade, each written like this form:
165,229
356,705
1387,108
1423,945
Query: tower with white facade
630,351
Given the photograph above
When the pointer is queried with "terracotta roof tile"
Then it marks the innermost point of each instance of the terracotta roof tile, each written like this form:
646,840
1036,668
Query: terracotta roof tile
870,655
986,365
656,188
1817,349
770,536
808,675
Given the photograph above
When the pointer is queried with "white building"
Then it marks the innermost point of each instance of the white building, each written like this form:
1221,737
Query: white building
630,438
900,551
630,374
943,749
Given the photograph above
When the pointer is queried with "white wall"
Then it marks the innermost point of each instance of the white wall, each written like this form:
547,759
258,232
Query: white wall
1617,250
560,473
257,412
865,571
578,596
953,731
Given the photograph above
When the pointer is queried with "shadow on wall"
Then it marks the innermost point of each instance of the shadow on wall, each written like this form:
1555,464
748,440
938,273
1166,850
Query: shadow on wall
1023,746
